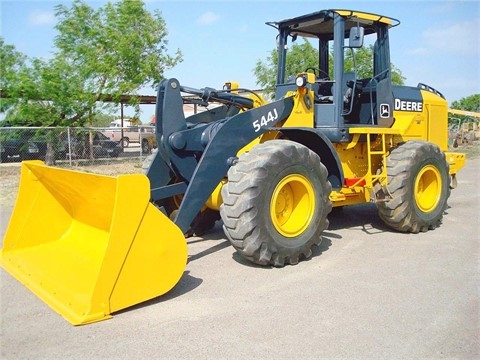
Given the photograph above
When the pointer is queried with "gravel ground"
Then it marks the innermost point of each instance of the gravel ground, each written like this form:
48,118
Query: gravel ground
10,176
367,293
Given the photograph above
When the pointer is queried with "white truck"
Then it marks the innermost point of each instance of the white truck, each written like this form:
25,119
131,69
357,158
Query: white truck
118,123
142,134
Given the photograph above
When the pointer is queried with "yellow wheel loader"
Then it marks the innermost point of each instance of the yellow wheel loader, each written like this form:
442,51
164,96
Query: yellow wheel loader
90,245
465,129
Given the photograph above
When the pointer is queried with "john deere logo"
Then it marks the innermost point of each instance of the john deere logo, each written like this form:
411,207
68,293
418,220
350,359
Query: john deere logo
384,111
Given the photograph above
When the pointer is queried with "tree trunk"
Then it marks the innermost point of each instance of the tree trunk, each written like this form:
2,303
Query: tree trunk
90,145
50,154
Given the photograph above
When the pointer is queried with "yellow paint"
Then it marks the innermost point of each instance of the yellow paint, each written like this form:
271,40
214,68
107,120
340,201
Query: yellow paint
215,199
233,86
436,110
366,16
89,245
428,188
303,105
349,196
292,205
456,161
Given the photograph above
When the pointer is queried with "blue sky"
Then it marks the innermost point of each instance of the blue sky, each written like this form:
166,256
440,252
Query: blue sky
437,42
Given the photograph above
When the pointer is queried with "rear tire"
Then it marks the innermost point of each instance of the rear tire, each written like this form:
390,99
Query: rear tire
276,202
418,180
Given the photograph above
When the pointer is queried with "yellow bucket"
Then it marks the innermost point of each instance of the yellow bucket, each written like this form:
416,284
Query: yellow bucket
89,245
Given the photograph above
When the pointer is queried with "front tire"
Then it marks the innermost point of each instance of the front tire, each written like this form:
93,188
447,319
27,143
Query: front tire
276,202
205,219
418,180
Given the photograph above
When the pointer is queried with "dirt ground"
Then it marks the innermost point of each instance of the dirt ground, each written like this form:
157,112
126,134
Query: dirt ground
366,293
10,174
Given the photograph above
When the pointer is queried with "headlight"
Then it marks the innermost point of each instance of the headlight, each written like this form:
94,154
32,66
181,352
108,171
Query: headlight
301,81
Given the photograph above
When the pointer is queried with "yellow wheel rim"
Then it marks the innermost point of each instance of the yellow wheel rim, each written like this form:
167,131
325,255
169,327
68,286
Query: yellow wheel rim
292,205
428,188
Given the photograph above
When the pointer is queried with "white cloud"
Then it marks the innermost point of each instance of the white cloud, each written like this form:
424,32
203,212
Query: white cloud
41,17
208,18
456,39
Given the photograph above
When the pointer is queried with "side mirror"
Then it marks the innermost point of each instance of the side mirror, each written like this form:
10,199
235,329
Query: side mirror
355,39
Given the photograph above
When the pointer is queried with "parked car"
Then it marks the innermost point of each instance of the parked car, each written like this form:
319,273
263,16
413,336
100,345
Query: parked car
3,153
23,144
83,142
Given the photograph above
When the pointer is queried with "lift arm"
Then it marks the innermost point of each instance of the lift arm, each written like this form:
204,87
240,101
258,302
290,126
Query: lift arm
200,156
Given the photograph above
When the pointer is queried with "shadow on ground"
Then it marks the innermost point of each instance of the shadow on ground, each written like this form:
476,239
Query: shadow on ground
362,216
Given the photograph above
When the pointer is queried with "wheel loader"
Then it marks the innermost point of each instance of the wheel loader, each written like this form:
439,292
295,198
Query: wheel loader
463,130
90,245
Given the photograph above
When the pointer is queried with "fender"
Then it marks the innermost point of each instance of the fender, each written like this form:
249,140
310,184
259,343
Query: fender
320,144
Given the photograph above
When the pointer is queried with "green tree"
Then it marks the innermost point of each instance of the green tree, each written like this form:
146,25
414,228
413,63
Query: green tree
99,55
469,103
13,73
364,61
304,55
102,120
300,57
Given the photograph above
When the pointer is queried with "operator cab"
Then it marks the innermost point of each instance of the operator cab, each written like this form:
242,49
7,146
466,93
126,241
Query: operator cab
343,97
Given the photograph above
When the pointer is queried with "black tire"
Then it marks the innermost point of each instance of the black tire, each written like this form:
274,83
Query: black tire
146,149
263,216
205,219
148,161
125,142
418,180
204,222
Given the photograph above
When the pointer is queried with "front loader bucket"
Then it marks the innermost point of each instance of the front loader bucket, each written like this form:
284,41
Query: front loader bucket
89,245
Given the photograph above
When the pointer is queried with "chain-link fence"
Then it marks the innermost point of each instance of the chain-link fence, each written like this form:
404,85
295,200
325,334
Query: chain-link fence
112,150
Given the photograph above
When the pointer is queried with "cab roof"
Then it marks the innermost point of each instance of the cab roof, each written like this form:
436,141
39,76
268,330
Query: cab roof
320,24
